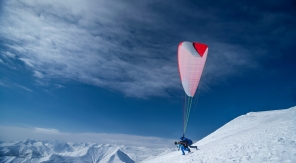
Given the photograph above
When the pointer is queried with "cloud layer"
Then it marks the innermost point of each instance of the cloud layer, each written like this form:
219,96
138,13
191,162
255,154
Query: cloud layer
12,133
86,42
127,47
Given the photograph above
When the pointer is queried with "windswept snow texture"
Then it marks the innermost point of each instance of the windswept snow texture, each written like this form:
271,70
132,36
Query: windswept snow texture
48,152
268,136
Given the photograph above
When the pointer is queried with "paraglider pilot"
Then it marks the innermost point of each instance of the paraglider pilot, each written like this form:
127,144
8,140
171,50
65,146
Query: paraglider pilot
188,142
181,145
184,144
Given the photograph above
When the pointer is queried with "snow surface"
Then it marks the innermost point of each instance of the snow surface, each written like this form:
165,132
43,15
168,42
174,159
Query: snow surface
268,136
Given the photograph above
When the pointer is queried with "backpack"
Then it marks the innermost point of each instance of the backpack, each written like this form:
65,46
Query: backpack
188,141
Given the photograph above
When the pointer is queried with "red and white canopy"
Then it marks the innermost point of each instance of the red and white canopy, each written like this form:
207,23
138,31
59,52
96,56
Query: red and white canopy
191,61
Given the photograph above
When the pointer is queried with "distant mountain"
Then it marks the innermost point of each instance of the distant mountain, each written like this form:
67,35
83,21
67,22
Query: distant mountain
54,151
268,136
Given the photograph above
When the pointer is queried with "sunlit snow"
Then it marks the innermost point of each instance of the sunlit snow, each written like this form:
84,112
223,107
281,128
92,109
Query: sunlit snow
268,136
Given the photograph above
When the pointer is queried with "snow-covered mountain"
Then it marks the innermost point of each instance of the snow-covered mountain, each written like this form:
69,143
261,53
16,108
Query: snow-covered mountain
268,136
44,151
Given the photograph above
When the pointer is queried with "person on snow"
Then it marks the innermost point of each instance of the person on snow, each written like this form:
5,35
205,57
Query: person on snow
184,147
188,142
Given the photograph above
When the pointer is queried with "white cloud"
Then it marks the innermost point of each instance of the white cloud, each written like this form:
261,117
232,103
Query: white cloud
12,133
100,43
229,60
83,42
38,74
46,131
3,83
59,86
23,87
28,62
7,59
9,84
8,54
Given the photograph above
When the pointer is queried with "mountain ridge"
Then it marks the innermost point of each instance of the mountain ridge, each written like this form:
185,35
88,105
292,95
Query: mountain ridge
55,151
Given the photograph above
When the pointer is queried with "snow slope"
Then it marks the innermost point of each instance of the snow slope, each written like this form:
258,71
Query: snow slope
268,136
43,151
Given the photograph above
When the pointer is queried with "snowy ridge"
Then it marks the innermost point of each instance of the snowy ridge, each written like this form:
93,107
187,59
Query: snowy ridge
55,151
268,136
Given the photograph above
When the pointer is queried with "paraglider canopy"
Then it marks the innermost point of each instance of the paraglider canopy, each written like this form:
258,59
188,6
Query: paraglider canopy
191,61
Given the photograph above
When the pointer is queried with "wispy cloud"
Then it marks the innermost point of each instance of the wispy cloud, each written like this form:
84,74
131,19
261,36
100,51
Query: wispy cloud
28,62
38,74
23,87
9,84
128,47
46,131
6,59
80,42
3,83
8,54
13,133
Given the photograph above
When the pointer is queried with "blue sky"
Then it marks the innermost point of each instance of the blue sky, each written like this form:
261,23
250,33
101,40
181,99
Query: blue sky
101,67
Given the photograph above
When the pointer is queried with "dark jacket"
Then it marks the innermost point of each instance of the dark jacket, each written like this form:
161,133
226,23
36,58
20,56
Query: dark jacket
184,143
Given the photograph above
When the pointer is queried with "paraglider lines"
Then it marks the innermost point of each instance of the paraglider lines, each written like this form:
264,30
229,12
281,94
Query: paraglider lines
187,108
191,60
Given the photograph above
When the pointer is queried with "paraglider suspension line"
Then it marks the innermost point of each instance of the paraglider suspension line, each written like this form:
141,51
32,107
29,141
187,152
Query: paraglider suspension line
186,111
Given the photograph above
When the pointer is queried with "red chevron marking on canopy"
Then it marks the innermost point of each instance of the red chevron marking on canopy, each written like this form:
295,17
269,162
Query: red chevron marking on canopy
200,48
